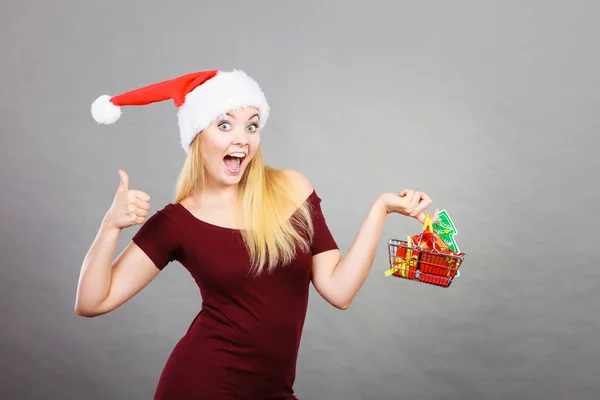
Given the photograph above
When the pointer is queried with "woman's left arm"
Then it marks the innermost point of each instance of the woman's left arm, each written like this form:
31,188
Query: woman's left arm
338,279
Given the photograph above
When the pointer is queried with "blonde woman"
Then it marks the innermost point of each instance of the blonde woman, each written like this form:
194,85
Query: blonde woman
252,237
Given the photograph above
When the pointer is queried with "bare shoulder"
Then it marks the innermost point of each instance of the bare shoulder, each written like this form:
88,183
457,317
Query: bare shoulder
300,182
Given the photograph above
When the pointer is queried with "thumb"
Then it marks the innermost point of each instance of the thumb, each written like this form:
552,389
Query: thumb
124,184
422,216
436,214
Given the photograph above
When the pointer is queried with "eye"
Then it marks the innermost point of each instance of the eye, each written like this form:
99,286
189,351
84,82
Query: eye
252,127
225,126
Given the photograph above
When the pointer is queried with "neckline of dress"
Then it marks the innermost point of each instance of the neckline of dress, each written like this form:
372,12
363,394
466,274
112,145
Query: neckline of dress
221,227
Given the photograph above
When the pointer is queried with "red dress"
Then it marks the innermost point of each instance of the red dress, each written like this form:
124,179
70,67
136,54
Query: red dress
243,344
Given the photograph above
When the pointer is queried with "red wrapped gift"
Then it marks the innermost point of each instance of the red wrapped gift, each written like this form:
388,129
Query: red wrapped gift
438,260
435,280
406,261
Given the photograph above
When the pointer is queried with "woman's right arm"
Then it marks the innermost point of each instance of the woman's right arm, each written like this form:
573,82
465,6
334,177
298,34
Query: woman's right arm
105,284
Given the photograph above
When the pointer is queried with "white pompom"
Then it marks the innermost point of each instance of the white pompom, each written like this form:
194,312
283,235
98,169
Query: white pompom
104,111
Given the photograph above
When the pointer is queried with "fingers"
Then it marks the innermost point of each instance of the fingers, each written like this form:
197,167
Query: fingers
414,204
418,203
129,207
137,206
140,212
138,202
139,195
135,214
142,205
409,198
423,205
124,185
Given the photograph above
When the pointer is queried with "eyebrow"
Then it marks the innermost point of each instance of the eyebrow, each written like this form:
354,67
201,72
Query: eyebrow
232,116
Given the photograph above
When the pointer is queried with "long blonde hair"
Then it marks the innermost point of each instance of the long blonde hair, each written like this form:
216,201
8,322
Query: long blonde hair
277,222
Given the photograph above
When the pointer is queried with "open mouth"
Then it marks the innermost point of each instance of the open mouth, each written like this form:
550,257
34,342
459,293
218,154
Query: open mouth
233,161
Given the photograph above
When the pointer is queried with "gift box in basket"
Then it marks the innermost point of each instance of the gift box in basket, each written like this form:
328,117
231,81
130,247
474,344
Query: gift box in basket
431,256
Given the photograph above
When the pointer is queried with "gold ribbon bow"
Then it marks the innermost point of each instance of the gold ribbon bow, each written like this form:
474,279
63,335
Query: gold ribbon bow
403,264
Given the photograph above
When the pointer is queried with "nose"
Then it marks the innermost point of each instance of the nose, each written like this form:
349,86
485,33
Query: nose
240,138
240,141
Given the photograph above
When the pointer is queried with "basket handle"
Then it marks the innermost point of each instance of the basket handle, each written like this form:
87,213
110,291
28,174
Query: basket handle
428,224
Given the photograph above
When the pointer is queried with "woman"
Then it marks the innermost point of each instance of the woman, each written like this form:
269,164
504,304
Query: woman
252,237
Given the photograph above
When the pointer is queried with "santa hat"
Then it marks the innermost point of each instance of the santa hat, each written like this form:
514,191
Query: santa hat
201,97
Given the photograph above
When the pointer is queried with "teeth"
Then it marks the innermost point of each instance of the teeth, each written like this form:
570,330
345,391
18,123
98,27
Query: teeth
238,155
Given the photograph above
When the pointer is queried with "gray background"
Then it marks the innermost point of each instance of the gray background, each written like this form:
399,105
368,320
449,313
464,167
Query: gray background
489,107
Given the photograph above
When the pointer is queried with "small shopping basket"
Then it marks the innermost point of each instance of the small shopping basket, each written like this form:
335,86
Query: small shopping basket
423,258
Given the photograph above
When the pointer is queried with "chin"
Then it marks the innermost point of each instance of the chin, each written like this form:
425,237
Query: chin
231,180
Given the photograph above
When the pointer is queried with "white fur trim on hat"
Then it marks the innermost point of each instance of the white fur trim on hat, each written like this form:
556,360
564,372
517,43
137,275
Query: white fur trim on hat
104,111
225,92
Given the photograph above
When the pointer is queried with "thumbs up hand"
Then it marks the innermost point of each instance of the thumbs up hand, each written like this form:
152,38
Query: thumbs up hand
129,207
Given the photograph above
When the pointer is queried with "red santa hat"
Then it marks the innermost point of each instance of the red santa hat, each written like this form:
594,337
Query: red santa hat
201,97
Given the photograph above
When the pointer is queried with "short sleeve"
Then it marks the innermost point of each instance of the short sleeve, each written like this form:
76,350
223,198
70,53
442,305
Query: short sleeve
158,238
322,238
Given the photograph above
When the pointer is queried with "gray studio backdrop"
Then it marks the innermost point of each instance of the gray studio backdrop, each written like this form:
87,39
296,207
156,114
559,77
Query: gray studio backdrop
489,107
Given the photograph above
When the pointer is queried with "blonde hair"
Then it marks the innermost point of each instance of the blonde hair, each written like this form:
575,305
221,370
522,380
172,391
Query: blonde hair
276,221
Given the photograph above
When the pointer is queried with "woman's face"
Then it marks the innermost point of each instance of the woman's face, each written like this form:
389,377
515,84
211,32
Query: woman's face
229,144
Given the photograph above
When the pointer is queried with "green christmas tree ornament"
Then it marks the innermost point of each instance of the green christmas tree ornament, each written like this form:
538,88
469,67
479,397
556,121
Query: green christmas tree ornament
446,230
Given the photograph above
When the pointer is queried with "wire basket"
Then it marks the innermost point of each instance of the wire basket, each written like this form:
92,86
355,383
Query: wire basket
412,262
